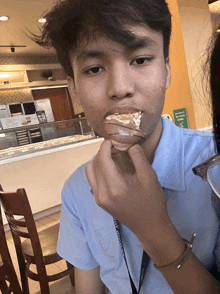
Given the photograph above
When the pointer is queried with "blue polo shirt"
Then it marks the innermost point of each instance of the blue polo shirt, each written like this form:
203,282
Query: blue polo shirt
88,238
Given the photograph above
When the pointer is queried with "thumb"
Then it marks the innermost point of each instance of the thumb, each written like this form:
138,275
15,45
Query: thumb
139,159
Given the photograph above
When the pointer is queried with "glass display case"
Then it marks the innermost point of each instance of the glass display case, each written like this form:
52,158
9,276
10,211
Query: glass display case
32,138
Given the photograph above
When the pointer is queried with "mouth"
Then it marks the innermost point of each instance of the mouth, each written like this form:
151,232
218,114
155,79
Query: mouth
122,110
123,128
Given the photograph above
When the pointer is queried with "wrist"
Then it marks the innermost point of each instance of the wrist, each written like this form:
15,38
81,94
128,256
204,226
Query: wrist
166,246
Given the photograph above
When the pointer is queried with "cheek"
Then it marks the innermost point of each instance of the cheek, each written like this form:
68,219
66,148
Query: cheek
153,91
90,93
158,78
155,104
91,107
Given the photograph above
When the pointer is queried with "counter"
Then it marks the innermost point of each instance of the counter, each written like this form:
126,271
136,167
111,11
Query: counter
45,147
43,172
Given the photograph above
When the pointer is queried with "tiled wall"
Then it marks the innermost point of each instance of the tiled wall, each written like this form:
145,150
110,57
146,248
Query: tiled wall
27,59
20,95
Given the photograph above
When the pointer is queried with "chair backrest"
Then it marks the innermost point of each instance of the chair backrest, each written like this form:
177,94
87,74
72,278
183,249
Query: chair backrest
7,267
17,204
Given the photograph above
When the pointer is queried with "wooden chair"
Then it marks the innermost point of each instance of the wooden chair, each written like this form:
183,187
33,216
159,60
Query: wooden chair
7,271
38,248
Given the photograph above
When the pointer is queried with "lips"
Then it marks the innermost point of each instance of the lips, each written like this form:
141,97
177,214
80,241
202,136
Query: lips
124,129
122,110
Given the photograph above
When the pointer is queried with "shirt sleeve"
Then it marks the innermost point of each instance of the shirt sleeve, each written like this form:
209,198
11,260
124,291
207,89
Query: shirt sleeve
72,243
216,206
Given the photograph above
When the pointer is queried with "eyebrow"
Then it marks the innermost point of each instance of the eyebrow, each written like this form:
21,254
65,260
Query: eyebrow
140,43
88,54
144,42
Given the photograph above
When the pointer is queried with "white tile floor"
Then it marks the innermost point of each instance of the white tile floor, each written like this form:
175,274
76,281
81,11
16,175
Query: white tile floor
62,286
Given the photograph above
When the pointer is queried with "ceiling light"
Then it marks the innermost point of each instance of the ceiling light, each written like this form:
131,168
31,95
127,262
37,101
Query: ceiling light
42,20
4,18
218,31
4,75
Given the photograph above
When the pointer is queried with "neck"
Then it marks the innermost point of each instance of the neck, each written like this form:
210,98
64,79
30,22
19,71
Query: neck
150,144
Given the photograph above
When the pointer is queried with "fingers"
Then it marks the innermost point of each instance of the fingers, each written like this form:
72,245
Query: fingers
105,149
103,160
139,159
99,167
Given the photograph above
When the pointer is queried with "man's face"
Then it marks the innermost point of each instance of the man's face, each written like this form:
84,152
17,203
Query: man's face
111,78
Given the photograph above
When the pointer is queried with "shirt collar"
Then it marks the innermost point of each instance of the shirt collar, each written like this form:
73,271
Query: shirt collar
169,157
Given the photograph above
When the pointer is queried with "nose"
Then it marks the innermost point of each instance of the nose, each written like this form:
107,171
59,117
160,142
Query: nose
120,83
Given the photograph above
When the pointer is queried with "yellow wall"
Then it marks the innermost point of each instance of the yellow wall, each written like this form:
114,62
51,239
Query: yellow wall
178,94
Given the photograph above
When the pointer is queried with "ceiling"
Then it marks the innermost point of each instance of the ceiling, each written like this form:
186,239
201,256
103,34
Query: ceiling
23,16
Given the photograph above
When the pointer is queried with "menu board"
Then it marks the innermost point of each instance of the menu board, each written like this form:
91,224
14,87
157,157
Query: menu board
44,105
19,121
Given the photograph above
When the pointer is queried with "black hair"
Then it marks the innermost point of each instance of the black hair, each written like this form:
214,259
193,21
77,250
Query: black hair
70,20
212,68
215,89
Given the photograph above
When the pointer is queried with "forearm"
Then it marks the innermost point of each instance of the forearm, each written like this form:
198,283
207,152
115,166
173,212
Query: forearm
82,290
192,277
88,281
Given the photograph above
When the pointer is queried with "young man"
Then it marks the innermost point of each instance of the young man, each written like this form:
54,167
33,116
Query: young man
116,57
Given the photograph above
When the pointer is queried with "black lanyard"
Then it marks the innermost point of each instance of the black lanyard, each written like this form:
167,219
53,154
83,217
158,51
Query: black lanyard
144,263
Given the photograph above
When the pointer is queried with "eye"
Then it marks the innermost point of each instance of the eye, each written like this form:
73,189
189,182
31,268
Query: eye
93,70
142,60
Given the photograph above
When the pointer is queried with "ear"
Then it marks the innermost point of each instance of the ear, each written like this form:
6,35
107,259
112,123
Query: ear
72,90
168,68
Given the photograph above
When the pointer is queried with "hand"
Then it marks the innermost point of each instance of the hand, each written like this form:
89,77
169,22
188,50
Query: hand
126,186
